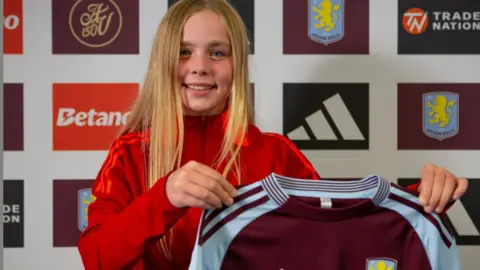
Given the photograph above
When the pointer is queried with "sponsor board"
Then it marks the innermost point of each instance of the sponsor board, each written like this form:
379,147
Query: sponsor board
332,116
13,27
13,213
13,112
71,199
88,116
438,116
326,27
438,27
95,26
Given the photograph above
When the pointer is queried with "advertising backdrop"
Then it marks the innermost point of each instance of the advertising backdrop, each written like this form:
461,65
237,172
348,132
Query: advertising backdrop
360,86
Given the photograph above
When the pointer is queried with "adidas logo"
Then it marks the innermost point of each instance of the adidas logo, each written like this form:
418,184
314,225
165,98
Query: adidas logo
330,119
322,130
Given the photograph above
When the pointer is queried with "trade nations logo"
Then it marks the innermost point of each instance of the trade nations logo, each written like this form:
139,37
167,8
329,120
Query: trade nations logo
440,115
89,116
438,27
13,117
246,9
430,116
415,21
463,217
331,27
326,116
326,21
12,26
95,26
13,207
71,199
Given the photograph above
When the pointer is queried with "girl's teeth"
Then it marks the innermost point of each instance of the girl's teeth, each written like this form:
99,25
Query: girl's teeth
198,87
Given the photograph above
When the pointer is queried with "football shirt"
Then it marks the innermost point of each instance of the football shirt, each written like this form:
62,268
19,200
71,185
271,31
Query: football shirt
283,223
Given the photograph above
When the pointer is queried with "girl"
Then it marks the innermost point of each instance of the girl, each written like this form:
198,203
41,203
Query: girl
191,139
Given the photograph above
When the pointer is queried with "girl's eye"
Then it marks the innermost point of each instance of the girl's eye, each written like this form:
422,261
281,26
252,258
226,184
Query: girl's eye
184,52
217,54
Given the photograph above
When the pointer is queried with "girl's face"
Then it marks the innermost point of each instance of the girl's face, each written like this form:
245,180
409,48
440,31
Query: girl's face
206,65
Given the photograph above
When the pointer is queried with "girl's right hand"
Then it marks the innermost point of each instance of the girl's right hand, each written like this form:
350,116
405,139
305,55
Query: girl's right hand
197,185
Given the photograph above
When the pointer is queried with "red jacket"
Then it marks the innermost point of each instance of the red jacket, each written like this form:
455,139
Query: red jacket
124,222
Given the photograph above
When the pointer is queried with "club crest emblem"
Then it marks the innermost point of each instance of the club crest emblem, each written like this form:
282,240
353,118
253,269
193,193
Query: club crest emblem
326,21
381,264
440,115
85,197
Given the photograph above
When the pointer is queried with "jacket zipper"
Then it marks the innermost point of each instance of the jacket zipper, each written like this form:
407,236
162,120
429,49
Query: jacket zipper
202,139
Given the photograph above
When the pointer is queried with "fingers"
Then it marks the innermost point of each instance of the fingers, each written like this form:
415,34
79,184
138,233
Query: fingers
226,186
426,185
437,190
446,194
204,179
198,196
197,185
438,187
462,185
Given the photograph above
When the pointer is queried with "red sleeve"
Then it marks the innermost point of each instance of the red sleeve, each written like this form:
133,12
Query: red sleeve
296,164
414,187
119,224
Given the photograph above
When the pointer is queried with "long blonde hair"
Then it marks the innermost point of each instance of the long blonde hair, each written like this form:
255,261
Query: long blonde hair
159,105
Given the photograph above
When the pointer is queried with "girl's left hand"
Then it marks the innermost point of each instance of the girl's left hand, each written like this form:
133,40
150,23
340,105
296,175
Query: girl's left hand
438,186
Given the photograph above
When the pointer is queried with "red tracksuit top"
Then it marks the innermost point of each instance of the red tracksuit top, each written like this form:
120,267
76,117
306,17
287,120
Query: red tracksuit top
125,221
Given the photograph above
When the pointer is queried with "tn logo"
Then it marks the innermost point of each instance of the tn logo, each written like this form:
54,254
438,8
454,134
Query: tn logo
415,21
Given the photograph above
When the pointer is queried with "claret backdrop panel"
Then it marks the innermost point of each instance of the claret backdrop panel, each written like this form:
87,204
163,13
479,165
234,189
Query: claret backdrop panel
359,86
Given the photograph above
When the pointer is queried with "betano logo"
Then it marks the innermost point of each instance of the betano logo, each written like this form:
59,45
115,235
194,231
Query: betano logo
13,27
92,118
89,116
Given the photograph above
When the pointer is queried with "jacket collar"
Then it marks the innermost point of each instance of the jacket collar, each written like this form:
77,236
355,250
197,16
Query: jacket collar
218,121
216,124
